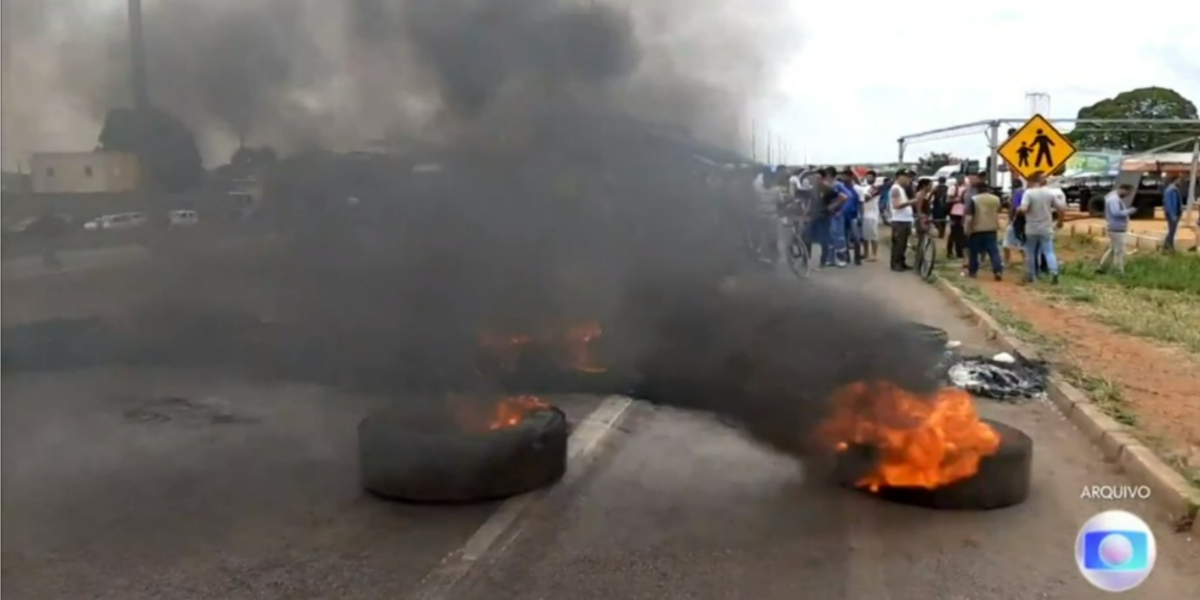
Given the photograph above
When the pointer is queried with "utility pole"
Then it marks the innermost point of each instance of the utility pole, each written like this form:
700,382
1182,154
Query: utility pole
769,147
137,57
753,140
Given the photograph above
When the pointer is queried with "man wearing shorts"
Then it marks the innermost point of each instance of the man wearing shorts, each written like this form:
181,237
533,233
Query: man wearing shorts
870,217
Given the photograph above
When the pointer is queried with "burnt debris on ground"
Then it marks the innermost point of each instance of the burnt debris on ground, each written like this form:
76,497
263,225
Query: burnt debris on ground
999,379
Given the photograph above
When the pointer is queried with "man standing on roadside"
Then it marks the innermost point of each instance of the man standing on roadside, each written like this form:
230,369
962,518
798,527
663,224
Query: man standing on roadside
837,225
982,222
939,209
1117,211
1172,210
956,242
869,221
1043,210
903,218
825,211
850,216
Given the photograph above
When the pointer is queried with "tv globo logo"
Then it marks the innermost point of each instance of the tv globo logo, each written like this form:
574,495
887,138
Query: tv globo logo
1115,551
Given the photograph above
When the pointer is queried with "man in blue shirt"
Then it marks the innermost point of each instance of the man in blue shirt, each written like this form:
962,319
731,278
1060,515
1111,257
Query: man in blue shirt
850,214
826,213
1172,210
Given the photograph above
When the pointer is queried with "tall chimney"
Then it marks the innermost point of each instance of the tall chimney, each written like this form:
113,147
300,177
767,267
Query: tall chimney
137,56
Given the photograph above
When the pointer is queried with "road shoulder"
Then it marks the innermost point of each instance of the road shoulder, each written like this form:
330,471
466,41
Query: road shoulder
1177,498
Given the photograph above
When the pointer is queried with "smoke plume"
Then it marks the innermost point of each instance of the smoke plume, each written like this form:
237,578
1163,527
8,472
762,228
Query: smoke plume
568,184
346,75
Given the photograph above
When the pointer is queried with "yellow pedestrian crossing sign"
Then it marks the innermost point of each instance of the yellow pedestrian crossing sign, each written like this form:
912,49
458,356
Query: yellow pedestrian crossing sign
1036,146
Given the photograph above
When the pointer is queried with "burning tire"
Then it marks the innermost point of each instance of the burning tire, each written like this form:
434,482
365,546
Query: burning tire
1002,480
423,454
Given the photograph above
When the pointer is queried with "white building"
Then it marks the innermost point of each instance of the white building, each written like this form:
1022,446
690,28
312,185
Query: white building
84,172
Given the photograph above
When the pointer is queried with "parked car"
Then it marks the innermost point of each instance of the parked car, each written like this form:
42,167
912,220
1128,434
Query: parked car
182,218
128,220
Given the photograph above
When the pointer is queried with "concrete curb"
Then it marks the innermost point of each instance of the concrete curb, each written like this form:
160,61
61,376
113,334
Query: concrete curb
1179,501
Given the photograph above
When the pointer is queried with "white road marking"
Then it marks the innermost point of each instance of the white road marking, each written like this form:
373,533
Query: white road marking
584,441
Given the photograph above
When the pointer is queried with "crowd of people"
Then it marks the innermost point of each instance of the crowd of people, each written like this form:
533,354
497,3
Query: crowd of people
840,211
843,214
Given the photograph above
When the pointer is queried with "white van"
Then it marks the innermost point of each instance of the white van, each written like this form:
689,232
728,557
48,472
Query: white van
182,218
118,221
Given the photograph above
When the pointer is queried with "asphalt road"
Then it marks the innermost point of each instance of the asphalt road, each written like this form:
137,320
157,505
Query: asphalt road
119,484
683,508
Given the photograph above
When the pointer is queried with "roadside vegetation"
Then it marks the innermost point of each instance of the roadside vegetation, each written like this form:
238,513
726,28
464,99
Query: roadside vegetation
1157,298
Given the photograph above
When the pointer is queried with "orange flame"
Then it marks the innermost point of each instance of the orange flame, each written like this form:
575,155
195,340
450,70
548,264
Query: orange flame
572,344
922,441
509,412
479,414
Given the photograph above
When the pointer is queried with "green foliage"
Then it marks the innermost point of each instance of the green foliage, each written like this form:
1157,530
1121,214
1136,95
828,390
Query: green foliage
165,147
1171,272
1142,103
930,163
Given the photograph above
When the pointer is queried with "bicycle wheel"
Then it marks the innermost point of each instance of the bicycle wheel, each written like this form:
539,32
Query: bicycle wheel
798,257
927,258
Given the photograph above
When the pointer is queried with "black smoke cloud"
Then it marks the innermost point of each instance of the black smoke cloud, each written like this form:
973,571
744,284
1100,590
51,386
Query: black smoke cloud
301,74
568,186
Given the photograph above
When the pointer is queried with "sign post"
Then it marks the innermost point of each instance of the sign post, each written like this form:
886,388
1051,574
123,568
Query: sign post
1037,146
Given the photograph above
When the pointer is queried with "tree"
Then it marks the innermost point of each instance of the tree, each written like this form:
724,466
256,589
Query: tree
249,157
1143,103
930,163
165,147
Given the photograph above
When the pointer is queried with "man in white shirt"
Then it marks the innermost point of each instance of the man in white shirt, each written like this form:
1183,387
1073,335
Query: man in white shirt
766,218
870,215
902,218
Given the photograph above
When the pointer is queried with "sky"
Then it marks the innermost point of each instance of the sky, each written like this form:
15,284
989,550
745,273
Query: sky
859,82
853,81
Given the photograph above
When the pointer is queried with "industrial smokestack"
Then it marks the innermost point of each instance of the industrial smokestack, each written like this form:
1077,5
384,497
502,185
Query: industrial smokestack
137,56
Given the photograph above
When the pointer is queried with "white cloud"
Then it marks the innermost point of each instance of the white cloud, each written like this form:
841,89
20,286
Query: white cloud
867,75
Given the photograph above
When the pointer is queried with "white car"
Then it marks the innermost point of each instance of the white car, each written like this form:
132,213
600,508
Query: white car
182,218
118,221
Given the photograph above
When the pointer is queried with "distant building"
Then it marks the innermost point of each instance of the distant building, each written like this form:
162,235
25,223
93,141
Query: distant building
84,172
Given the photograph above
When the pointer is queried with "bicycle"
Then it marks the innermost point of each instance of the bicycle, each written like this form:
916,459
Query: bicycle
798,256
923,246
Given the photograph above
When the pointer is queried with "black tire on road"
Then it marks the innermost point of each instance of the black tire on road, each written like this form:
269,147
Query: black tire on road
407,456
1003,478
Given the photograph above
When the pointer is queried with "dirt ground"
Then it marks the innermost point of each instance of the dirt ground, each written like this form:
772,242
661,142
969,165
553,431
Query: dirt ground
1150,229
1157,381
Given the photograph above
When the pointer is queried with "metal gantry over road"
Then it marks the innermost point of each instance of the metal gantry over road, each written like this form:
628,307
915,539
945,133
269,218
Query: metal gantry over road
991,129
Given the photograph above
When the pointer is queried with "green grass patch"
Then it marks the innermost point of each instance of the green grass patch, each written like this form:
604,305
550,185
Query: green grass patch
1157,298
1105,393
1146,271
